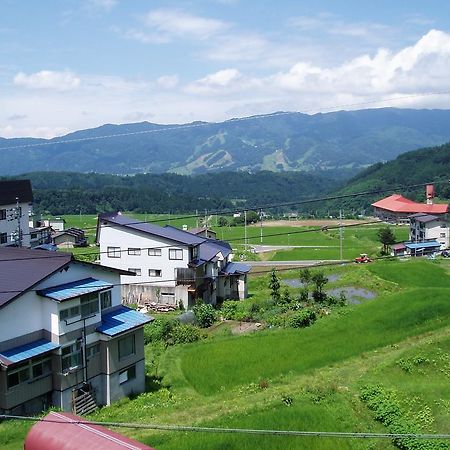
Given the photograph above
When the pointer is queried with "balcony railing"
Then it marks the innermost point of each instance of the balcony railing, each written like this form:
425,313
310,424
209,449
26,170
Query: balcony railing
185,276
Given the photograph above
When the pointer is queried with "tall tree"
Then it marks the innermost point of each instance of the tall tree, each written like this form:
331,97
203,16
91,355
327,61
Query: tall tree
274,286
387,238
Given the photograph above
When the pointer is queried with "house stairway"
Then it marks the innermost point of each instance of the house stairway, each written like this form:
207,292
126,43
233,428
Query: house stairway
83,401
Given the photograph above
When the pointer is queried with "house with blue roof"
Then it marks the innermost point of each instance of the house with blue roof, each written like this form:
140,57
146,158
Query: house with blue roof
170,265
65,338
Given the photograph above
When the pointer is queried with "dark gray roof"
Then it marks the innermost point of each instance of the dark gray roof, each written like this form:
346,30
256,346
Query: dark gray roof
21,269
424,218
12,189
210,247
167,232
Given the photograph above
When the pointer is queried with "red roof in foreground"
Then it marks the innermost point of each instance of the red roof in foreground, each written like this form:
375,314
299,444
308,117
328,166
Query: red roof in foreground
60,431
398,203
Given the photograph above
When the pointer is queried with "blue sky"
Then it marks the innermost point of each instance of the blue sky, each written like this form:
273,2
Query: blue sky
72,64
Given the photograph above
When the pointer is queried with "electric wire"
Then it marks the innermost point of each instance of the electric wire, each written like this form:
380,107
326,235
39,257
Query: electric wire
238,119
281,204
162,427
294,266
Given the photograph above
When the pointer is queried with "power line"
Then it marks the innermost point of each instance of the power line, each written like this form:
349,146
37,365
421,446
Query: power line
239,119
94,253
278,205
196,278
322,434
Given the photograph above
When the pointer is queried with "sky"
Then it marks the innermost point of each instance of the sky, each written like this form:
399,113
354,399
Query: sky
76,64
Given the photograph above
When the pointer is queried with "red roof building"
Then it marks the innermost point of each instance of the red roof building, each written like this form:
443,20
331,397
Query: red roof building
63,431
397,208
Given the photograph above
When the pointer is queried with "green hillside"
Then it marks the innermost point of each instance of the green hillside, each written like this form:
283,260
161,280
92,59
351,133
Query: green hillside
414,167
392,352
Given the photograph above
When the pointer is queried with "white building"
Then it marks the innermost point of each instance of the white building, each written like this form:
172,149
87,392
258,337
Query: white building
65,338
16,199
428,227
170,265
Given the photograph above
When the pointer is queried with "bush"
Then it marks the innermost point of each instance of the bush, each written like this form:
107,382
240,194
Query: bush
228,309
170,332
303,318
205,314
185,333
159,330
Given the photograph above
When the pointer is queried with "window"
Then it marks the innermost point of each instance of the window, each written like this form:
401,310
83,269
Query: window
92,350
69,313
18,375
71,356
175,253
113,252
134,251
136,271
154,272
3,238
2,214
127,346
89,305
154,252
105,300
41,367
127,374
442,235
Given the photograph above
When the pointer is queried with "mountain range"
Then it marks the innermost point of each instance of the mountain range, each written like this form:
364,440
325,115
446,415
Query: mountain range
338,141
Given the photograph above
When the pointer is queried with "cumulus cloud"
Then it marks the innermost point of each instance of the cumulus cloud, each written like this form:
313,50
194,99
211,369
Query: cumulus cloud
365,80
215,82
47,79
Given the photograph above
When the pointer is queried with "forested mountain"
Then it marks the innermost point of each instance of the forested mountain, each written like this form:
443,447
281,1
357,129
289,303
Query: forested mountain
415,167
70,193
337,140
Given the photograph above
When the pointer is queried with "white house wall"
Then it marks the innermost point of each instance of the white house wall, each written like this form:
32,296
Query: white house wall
10,227
31,312
112,236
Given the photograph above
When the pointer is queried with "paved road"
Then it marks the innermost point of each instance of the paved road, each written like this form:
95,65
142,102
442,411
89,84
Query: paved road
271,248
309,262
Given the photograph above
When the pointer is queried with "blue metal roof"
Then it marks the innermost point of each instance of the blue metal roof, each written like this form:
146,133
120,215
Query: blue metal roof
122,319
74,289
236,268
27,351
417,245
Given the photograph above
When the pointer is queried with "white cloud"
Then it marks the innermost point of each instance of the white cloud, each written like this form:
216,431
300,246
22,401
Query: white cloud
168,81
47,79
306,85
169,23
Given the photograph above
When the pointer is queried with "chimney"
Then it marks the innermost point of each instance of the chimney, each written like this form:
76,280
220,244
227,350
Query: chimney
430,194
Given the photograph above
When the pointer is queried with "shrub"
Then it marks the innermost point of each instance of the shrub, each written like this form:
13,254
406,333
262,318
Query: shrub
205,314
159,329
185,333
228,309
303,318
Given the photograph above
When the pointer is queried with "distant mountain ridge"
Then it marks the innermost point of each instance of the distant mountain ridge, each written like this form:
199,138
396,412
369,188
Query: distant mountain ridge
286,142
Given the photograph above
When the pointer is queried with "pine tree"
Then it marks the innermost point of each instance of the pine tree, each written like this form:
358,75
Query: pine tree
274,286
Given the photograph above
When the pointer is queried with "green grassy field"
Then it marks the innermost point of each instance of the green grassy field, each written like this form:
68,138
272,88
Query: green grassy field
304,379
320,245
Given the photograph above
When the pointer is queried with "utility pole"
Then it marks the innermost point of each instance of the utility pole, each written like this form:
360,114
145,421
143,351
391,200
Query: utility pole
261,227
245,230
206,218
340,234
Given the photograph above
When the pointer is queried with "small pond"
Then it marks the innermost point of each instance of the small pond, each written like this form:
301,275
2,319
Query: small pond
353,294
296,283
